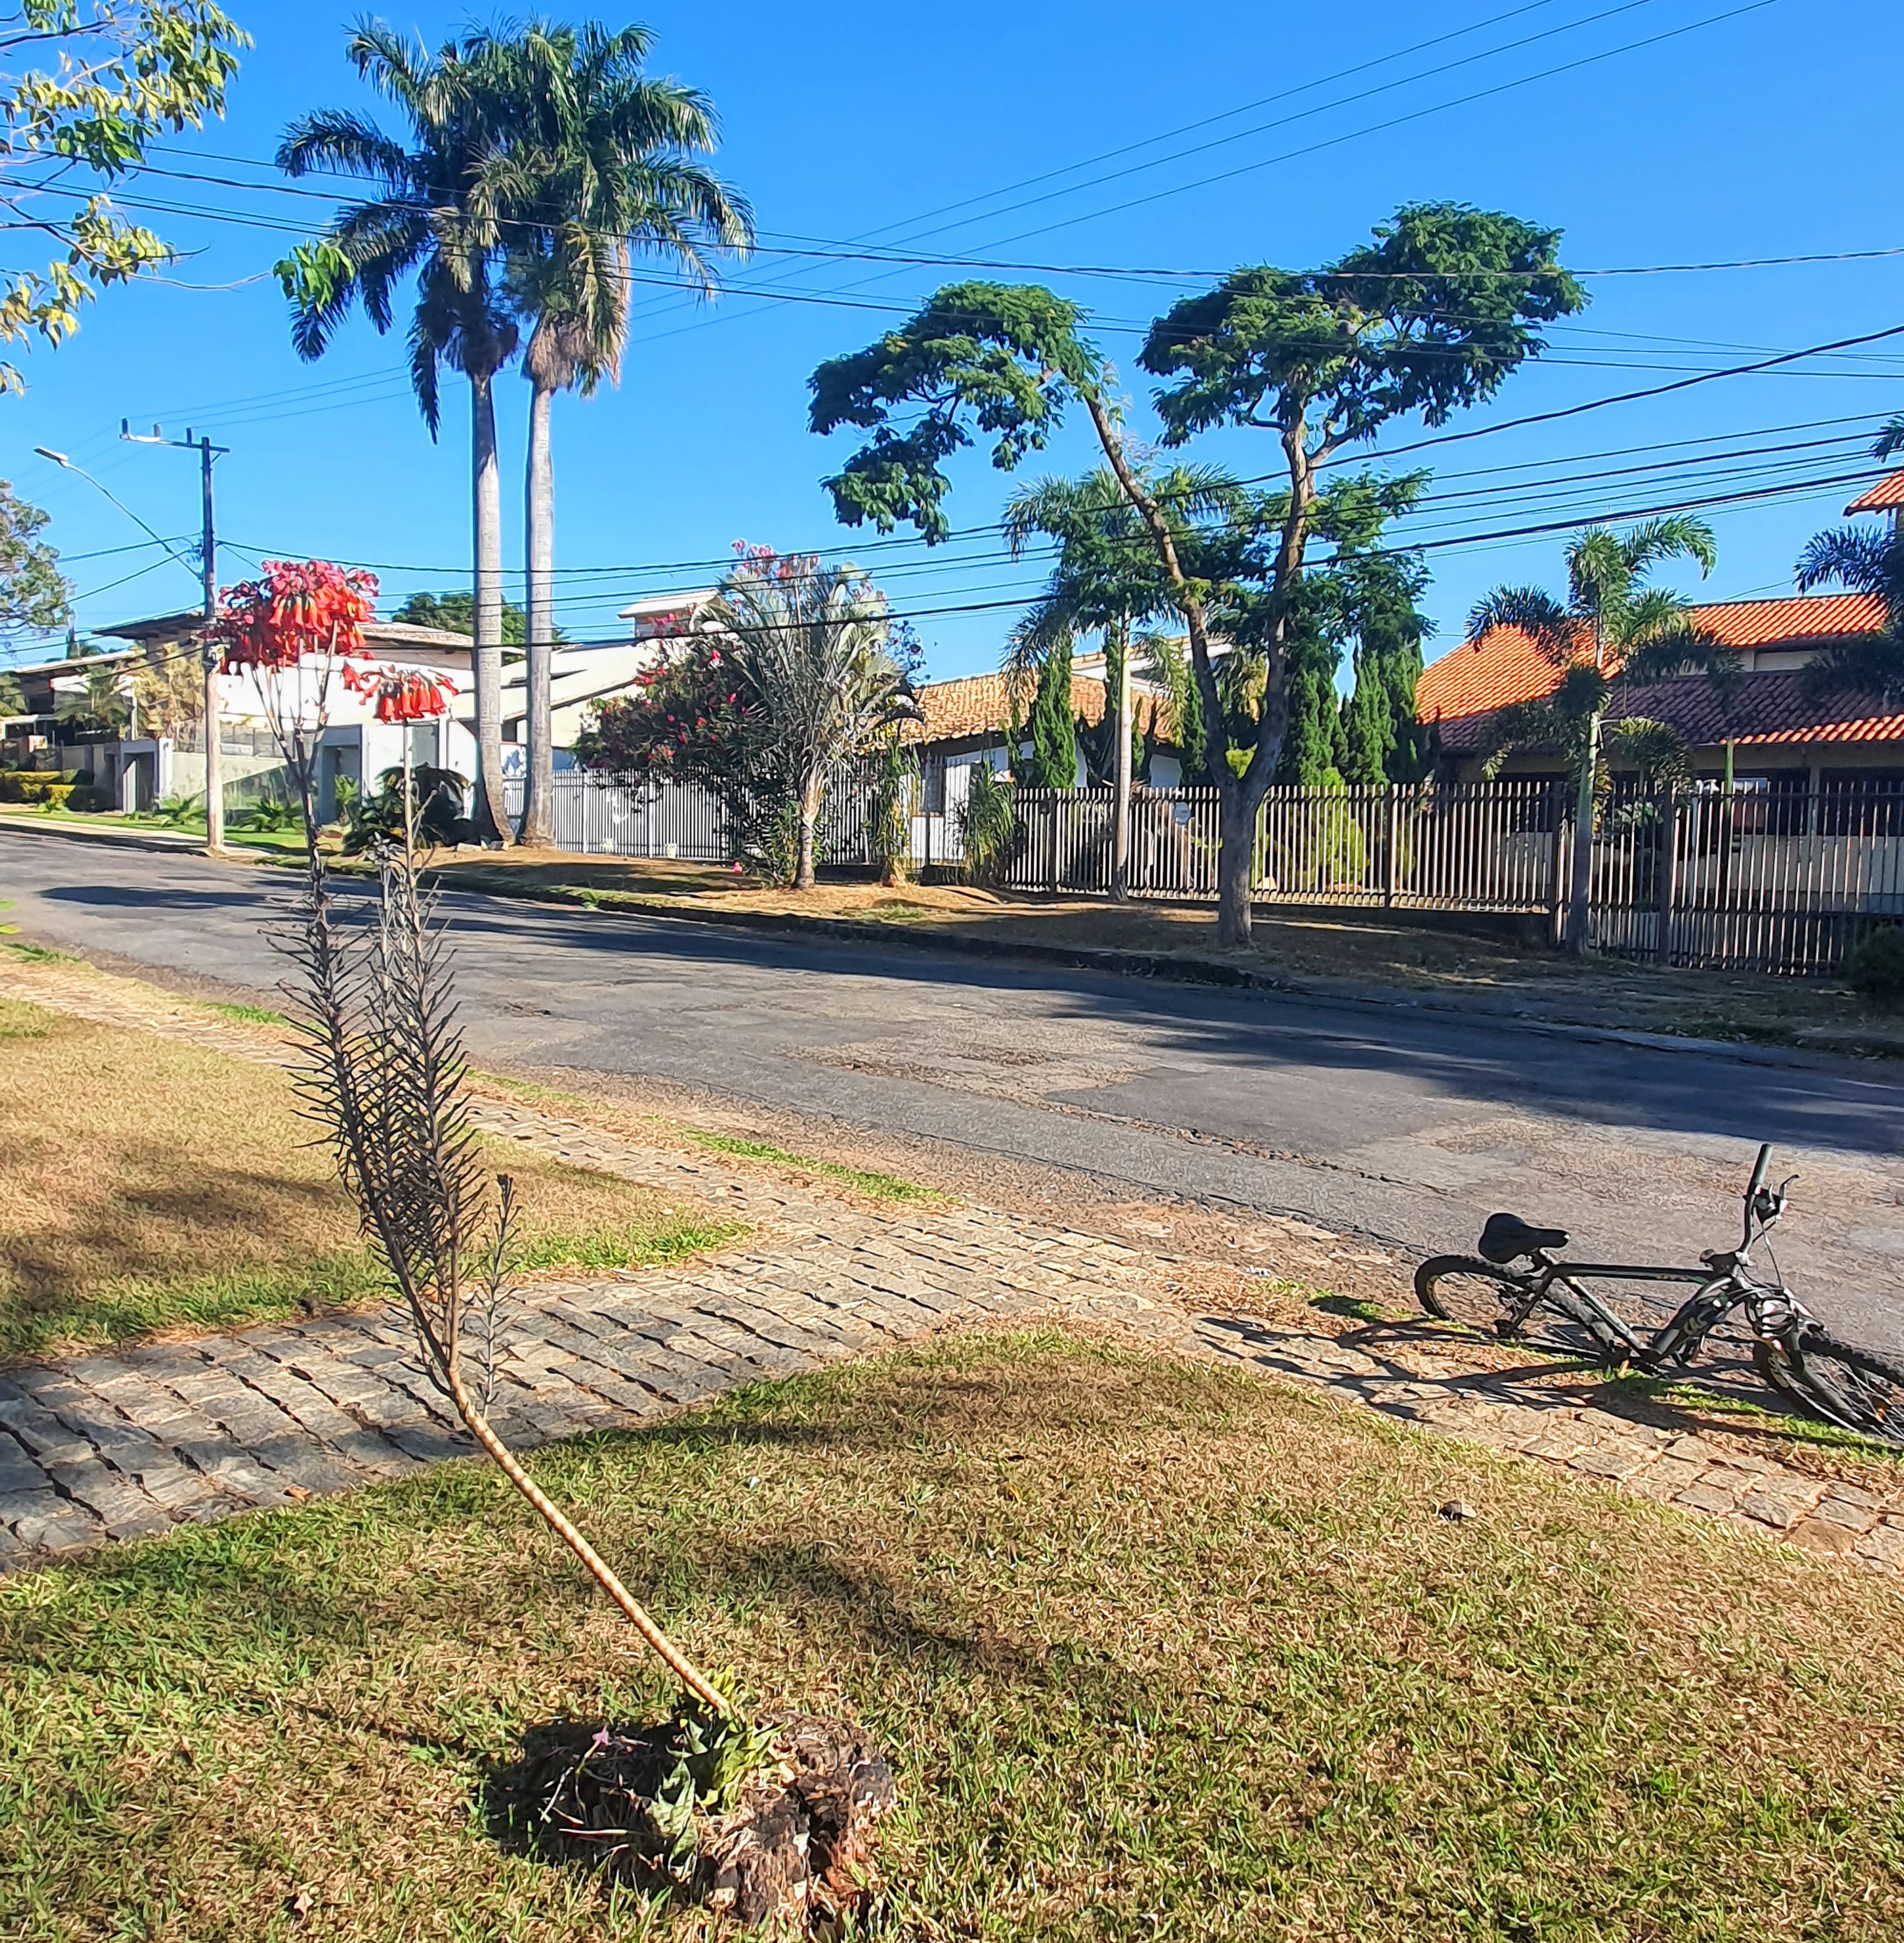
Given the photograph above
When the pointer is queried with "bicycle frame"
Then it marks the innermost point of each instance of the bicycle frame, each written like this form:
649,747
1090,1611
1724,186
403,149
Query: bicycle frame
1721,1284
1713,1299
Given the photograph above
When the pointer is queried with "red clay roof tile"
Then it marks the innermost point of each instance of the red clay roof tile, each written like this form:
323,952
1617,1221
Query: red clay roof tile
979,705
1768,709
1886,496
1504,666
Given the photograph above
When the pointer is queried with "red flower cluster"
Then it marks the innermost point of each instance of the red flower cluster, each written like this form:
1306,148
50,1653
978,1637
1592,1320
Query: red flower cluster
297,607
402,695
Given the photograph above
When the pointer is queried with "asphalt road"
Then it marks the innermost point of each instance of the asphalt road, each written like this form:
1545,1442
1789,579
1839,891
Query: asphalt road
1404,1124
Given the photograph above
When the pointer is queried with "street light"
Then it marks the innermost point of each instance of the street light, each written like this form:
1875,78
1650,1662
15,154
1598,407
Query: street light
60,460
207,571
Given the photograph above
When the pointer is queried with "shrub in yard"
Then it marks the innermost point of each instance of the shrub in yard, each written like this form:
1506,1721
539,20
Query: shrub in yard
93,797
30,785
988,827
1875,968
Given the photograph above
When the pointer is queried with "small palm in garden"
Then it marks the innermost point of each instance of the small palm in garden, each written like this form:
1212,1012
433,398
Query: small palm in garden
766,1820
1611,625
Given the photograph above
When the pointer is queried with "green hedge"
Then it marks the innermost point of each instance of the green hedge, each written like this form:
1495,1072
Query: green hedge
34,786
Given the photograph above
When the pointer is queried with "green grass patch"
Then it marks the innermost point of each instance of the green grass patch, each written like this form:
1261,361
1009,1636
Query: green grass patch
124,1309
37,954
876,1187
1787,1423
1355,1308
641,1244
18,1019
1158,1651
245,1015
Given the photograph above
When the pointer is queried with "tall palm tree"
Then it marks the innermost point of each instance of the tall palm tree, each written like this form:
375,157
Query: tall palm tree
1610,621
595,167
430,220
1861,559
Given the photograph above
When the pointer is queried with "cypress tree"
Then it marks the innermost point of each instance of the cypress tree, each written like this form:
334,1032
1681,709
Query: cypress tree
1314,748
1382,740
1053,762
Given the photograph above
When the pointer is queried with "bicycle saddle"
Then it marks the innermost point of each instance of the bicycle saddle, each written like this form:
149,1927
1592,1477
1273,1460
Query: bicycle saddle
1507,1238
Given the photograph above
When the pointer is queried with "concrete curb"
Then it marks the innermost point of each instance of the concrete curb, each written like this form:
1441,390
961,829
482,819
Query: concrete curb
1166,968
170,843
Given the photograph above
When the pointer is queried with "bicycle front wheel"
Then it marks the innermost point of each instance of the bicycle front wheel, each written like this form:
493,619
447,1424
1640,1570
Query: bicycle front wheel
1857,1389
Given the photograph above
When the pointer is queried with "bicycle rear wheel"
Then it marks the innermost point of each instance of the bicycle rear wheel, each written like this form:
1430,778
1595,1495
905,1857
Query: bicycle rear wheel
1477,1295
1857,1389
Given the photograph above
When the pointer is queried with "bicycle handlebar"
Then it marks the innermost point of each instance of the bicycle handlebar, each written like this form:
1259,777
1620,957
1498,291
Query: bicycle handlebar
1758,1171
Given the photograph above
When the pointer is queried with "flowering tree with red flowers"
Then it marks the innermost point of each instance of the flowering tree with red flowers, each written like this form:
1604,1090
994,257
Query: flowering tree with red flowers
300,619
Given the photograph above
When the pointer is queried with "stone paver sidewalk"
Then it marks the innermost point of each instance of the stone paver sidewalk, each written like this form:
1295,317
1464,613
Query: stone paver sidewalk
117,1446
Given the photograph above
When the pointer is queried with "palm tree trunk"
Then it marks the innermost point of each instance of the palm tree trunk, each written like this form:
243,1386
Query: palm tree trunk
1582,884
803,873
538,807
492,818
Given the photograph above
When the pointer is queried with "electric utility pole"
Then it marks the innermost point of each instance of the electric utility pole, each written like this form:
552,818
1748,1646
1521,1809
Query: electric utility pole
208,455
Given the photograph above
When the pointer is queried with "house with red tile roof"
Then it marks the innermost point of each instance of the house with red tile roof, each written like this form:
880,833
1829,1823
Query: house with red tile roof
1780,736
966,722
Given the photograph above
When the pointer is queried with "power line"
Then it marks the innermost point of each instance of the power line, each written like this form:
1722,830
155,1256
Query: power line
824,249
868,546
1400,121
1623,397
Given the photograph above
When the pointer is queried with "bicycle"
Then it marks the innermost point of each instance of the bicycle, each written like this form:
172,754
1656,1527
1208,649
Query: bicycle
1857,1389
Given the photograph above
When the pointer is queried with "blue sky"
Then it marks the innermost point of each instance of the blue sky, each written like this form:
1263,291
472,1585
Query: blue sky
1771,133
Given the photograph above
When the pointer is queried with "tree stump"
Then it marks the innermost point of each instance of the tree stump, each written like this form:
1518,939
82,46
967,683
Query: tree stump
796,1846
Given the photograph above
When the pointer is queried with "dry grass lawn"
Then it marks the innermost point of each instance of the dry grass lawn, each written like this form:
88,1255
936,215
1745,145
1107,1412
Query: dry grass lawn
147,1185
1160,1651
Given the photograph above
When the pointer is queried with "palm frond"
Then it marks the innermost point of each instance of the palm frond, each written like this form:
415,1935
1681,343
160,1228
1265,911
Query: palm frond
1674,537
1855,558
334,139
1653,615
1890,440
1531,611
1872,667
1657,749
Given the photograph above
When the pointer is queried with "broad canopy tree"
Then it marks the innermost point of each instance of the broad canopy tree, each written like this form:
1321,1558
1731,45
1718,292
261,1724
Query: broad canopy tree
35,597
1426,320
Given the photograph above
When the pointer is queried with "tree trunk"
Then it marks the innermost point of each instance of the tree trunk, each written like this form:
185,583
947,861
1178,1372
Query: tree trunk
1120,776
538,806
1236,861
803,876
677,1662
1582,884
492,818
